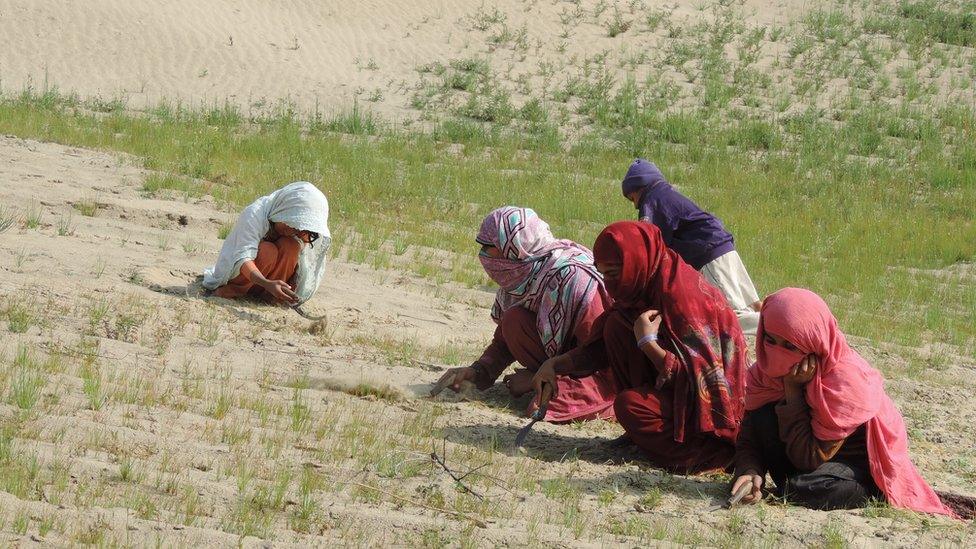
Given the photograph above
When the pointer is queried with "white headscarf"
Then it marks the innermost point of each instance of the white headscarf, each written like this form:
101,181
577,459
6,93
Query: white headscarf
299,205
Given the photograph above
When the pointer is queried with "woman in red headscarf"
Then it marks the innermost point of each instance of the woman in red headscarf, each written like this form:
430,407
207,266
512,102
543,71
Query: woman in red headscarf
819,420
675,347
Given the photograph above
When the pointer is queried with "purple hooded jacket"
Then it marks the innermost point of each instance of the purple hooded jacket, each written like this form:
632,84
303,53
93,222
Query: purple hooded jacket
695,234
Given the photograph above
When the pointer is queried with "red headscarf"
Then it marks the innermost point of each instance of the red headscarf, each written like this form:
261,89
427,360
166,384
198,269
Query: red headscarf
845,392
698,327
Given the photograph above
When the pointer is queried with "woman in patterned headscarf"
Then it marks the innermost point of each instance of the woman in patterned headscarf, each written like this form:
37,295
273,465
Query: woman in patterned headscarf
549,296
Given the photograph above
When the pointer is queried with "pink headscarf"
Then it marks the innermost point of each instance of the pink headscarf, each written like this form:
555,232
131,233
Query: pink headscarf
845,393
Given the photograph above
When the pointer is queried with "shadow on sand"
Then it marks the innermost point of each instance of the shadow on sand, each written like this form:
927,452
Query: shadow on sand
558,447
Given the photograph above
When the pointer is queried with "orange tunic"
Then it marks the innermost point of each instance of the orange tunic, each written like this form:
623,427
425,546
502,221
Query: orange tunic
277,260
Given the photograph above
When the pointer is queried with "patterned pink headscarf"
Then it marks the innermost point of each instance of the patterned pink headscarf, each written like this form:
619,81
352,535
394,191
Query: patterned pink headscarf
845,393
555,279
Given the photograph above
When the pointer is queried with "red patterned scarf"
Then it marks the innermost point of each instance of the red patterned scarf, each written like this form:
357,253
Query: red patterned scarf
697,325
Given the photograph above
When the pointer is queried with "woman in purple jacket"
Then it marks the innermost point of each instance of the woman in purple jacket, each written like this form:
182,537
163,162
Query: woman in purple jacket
696,235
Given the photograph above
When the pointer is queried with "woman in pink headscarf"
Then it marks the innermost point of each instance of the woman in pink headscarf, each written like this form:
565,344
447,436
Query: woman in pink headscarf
819,421
549,300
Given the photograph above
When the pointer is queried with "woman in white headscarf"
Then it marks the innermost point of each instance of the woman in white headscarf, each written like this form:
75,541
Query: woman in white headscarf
277,248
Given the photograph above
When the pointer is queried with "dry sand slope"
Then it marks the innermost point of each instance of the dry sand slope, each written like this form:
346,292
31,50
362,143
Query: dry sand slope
253,53
198,406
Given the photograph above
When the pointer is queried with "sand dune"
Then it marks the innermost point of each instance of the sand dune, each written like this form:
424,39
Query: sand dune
252,53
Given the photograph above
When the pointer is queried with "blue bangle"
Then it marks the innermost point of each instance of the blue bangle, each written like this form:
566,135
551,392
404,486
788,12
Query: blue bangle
646,339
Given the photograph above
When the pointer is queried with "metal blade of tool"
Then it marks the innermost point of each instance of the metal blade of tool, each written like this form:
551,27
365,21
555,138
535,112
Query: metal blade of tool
734,500
298,309
441,384
537,416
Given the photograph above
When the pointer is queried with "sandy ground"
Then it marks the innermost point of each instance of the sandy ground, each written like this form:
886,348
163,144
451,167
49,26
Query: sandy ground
317,55
136,256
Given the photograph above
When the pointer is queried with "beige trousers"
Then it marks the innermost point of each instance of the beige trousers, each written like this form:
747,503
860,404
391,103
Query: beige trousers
729,275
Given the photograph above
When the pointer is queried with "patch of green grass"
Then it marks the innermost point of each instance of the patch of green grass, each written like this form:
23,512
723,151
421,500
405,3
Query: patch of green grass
353,122
26,383
833,537
32,217
87,207
156,182
462,81
651,498
305,513
926,21
92,386
617,24
299,412
476,65
221,406
21,314
224,230
65,228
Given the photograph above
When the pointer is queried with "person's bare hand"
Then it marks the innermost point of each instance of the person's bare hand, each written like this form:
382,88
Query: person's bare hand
802,372
457,377
545,374
519,382
647,323
280,290
756,493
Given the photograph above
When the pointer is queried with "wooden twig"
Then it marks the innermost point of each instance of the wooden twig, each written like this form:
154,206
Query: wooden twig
478,468
423,319
477,522
437,459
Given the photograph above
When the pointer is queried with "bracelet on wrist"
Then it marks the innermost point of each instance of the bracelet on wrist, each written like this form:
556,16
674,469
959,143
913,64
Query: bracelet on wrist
645,340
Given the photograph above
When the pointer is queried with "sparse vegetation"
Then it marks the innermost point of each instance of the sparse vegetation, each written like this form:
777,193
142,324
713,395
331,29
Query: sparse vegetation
65,228
27,381
87,207
7,219
20,315
32,217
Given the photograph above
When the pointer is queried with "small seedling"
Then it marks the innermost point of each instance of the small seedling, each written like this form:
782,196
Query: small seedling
65,227
7,219
87,207
32,218
617,25
20,316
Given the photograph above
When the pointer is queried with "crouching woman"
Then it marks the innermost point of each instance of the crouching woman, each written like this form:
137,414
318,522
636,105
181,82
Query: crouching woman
819,421
550,295
277,249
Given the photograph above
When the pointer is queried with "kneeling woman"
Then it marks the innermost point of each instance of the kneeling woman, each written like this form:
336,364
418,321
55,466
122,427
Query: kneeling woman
550,294
277,249
819,420
675,348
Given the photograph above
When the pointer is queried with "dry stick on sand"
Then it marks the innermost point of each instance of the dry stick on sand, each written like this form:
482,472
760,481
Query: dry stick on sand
494,480
442,462
423,319
437,459
477,522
